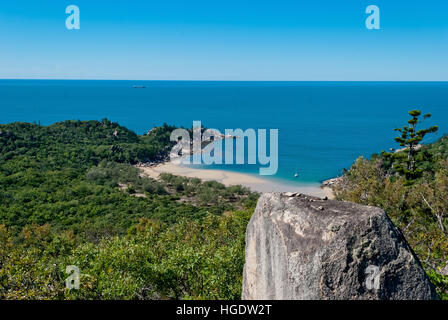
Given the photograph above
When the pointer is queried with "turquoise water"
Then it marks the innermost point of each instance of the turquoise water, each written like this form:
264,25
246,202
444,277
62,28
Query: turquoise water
323,126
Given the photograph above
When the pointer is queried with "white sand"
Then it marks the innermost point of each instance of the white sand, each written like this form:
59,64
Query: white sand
229,178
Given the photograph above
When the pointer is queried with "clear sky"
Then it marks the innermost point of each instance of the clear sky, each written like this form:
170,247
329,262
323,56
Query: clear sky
225,40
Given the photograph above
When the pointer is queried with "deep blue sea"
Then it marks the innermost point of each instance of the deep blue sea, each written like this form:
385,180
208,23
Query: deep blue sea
323,126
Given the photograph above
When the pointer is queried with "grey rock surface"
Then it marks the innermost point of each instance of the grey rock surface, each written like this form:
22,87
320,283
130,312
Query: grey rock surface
302,247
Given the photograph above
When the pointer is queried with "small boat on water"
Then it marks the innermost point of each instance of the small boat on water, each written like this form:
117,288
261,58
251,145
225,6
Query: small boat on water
296,175
138,86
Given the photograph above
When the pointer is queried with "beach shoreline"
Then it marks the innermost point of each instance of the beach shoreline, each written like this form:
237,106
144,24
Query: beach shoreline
229,178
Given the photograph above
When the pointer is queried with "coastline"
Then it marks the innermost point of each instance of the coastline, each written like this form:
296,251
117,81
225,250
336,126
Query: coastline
229,178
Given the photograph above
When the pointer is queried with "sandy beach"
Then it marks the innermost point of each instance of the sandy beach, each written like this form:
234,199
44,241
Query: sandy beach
229,178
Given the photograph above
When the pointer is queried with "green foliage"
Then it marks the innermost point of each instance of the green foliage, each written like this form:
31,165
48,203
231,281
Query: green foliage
79,144
211,194
408,163
70,195
441,282
200,259
416,203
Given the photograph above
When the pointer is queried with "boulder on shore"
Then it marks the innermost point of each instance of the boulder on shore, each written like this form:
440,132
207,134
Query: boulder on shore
302,247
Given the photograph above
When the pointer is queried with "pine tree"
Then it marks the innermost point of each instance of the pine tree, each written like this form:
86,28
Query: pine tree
407,163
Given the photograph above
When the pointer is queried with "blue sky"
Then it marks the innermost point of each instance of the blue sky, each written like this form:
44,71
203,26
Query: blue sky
225,40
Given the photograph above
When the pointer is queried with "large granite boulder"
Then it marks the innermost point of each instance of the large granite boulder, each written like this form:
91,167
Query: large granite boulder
302,247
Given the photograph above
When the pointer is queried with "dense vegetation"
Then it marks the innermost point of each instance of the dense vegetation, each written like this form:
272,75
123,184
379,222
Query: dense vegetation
69,195
411,184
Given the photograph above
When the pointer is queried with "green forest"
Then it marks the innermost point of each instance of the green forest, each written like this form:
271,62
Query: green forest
70,195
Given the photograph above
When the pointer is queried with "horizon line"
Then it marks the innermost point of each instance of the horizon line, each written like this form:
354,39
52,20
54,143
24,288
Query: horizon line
217,80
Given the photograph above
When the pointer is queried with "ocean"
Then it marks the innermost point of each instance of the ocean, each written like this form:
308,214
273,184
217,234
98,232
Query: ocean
323,126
